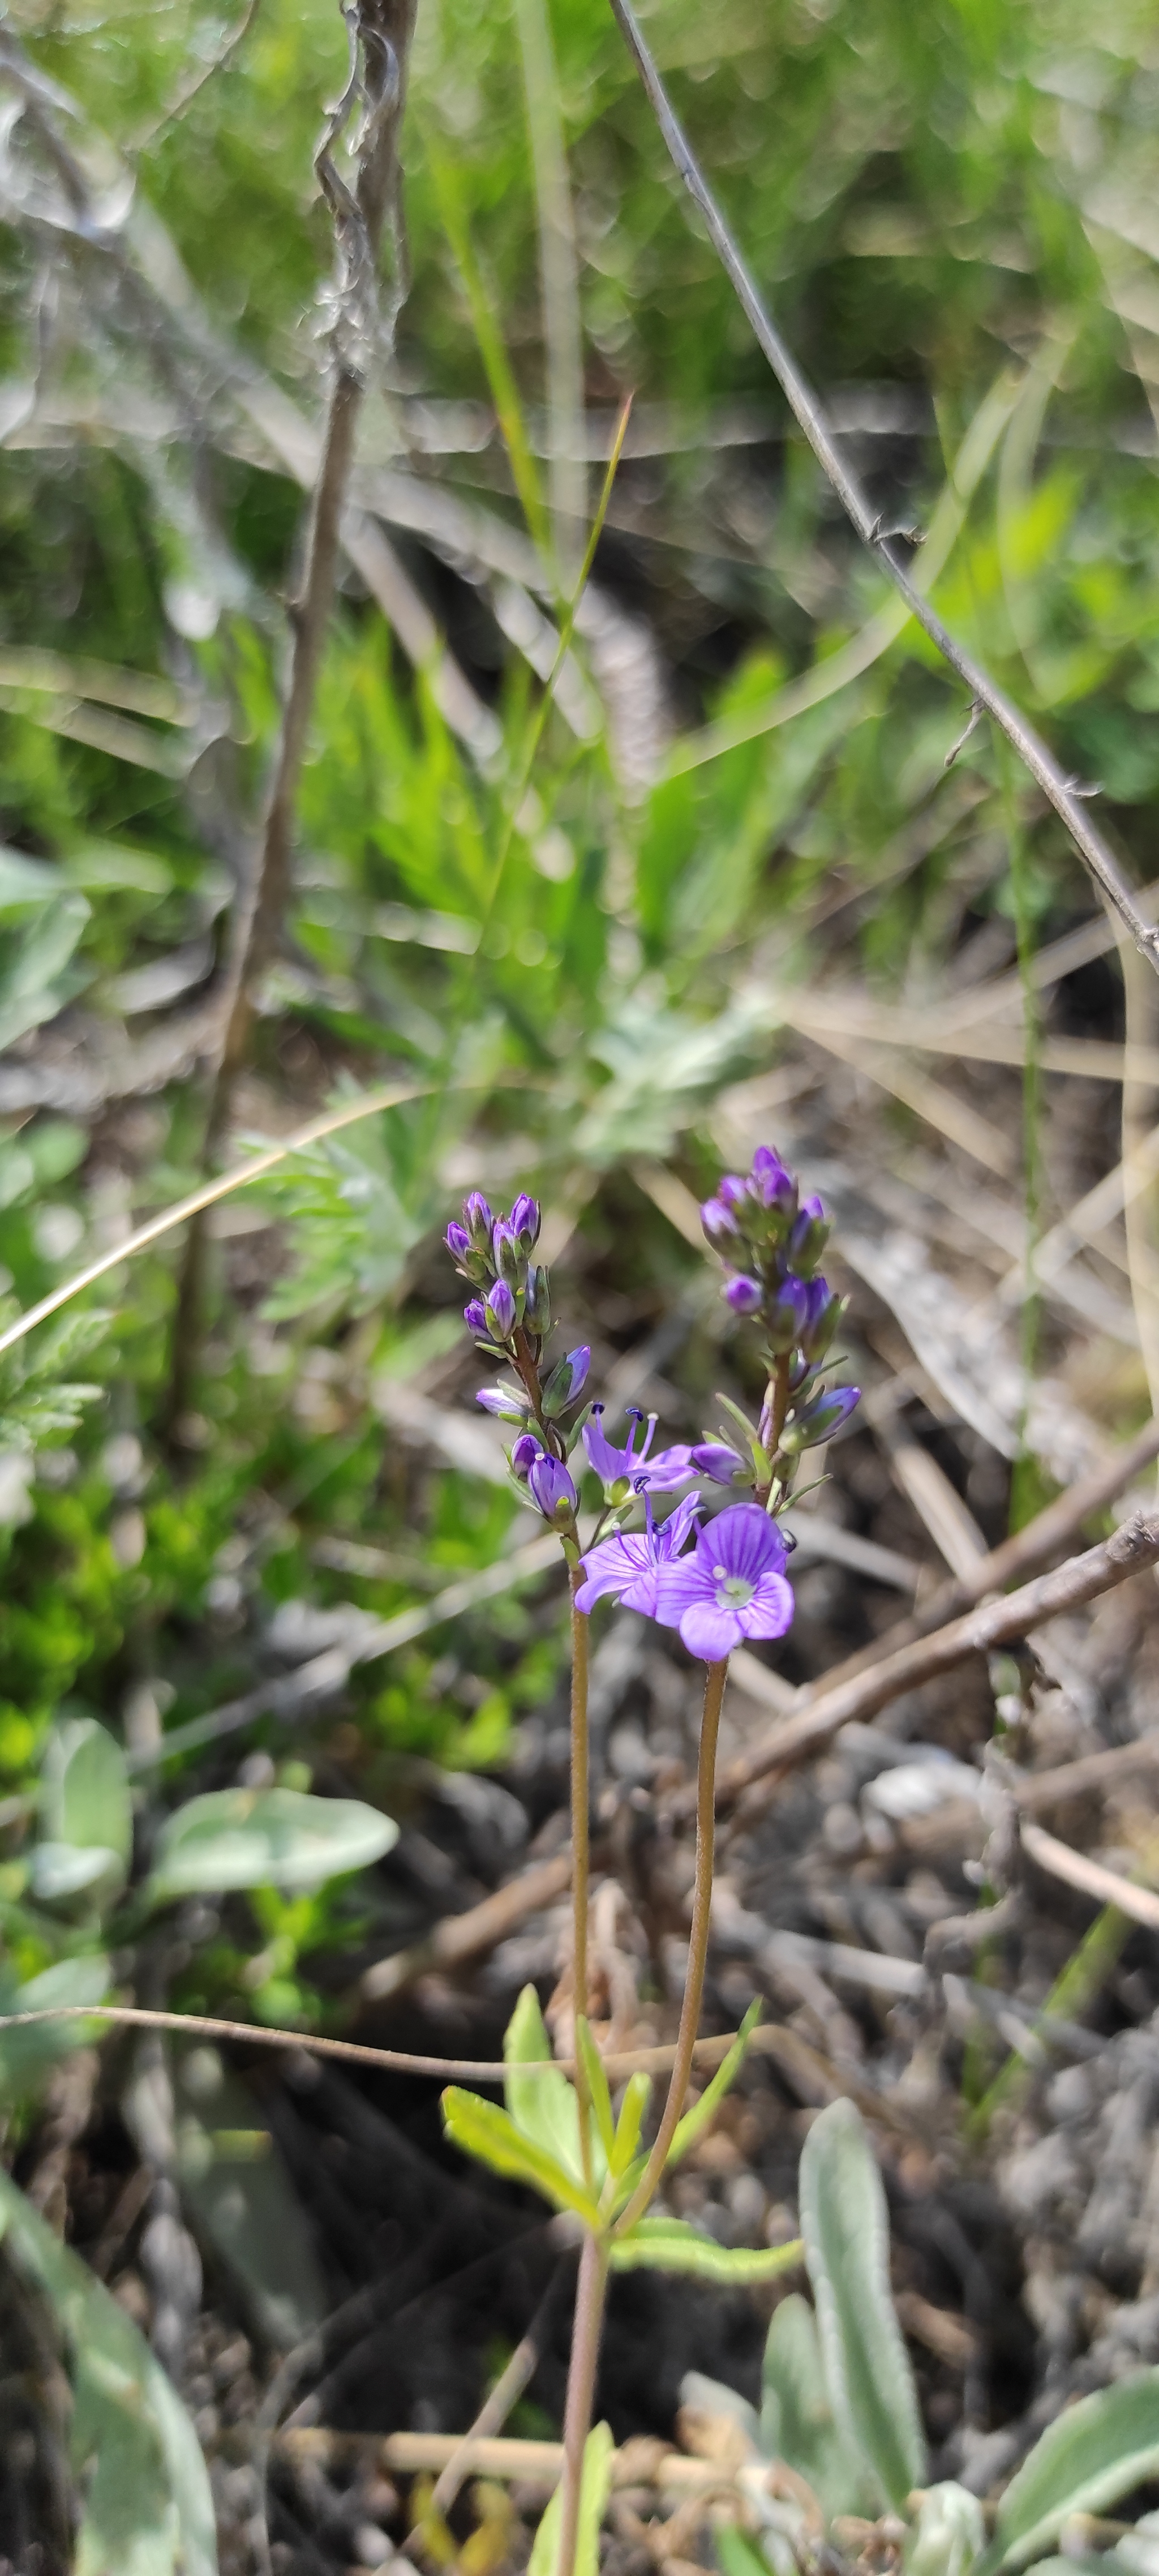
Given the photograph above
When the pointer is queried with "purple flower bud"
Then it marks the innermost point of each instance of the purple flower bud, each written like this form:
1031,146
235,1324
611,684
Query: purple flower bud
714,1458
505,1251
775,1183
505,1402
458,1243
478,1220
732,1190
786,1314
524,1221
567,1377
537,1301
475,1317
824,1314
743,1295
809,1236
501,1312
553,1489
524,1453
719,1224
821,1418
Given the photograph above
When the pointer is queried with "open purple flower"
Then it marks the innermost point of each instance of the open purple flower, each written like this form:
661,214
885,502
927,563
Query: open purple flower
633,1564
629,1466
730,1588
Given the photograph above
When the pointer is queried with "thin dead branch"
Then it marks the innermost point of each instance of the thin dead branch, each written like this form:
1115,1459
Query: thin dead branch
1031,750
1106,1886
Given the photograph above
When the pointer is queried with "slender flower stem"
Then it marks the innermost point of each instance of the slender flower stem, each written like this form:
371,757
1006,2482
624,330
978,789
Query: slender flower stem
580,1801
581,2382
714,1682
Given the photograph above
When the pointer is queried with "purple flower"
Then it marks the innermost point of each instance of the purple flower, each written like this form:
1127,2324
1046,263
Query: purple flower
634,1563
725,1466
458,1243
732,1190
501,1312
731,1587
475,1317
524,1453
478,1220
552,1488
629,1466
743,1295
524,1220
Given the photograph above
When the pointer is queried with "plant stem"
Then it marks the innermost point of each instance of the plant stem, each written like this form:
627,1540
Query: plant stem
581,2383
580,1801
714,1682
380,43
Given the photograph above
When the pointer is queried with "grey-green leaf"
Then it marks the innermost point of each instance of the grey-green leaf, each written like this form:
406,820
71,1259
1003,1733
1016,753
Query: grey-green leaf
27,2055
845,2225
1091,2455
84,1802
264,1838
240,2195
797,2423
147,2508
950,2533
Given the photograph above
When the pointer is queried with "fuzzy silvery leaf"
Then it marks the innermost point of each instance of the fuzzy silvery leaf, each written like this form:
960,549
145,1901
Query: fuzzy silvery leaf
147,2508
264,1838
1091,2455
950,2533
845,2225
797,2423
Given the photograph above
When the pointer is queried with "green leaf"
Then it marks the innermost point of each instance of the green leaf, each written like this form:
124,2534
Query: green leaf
483,2131
694,2122
264,1838
797,2423
1094,2453
35,976
737,2553
147,2508
669,2245
637,2095
845,2225
85,1809
241,2196
601,2099
543,2107
595,2487
27,2055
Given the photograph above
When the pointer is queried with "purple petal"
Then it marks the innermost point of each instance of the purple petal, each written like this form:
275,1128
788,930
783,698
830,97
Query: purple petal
501,1311
669,1468
710,1632
714,1458
458,1242
743,1295
770,1612
552,1487
745,1541
525,1451
609,1463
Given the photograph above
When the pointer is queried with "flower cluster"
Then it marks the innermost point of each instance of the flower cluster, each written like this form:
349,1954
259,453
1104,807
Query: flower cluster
771,1242
720,1583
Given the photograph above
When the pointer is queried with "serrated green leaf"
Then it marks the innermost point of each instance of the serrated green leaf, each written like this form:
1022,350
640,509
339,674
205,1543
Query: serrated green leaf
484,2131
845,2225
694,2122
797,2423
264,1838
1094,2453
637,2095
601,2100
543,2107
595,2487
662,2244
147,2508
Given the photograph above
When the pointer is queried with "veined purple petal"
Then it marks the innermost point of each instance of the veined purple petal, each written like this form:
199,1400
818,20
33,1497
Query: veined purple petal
714,1458
525,1220
770,1612
475,1316
458,1242
524,1453
710,1631
506,1403
501,1311
744,1541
